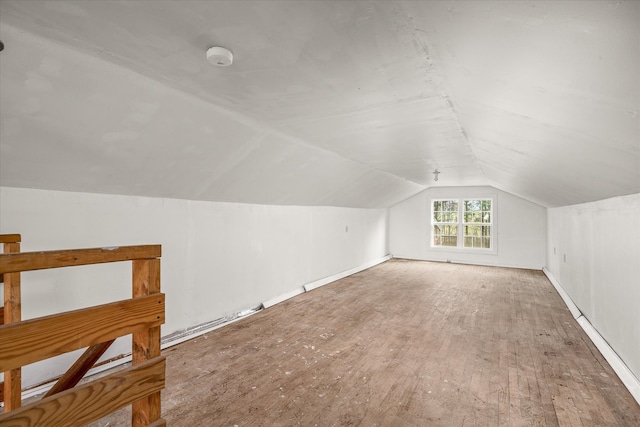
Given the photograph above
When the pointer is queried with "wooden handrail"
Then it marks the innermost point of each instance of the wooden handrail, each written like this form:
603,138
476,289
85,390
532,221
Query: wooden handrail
33,340
81,405
29,261
10,238
25,342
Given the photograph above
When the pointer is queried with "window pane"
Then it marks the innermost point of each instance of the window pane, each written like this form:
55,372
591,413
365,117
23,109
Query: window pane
477,236
450,205
445,235
445,211
472,205
477,211
472,230
445,217
473,217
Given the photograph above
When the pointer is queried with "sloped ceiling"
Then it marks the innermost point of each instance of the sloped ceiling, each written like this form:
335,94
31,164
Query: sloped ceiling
342,103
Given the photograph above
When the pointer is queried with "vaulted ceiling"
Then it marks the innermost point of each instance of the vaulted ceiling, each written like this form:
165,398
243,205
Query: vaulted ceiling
343,103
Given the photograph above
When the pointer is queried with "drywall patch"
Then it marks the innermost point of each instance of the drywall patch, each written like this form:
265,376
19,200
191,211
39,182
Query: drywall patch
144,112
120,136
50,67
37,83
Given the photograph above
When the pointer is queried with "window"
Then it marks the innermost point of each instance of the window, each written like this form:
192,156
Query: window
469,218
445,223
477,224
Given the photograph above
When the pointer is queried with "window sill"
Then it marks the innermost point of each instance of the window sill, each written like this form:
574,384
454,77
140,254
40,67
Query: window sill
477,251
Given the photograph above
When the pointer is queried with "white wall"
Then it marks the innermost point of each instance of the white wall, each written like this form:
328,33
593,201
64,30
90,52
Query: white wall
520,225
217,258
594,254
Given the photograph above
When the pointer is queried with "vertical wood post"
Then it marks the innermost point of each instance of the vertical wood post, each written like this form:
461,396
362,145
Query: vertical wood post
12,313
146,343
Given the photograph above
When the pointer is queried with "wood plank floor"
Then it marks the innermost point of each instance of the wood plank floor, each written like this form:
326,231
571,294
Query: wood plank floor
406,343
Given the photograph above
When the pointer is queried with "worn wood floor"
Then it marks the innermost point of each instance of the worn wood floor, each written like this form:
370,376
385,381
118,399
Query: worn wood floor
406,343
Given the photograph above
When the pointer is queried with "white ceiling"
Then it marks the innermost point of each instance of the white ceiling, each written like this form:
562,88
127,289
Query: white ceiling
345,103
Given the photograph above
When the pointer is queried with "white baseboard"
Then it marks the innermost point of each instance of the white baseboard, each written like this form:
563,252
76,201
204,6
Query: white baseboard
575,312
283,297
204,328
325,281
199,330
627,377
479,263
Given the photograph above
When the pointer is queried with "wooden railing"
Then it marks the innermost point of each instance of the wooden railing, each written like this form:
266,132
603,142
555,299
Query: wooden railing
29,341
11,312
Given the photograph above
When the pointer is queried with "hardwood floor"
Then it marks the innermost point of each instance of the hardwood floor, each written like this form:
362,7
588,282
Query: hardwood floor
406,343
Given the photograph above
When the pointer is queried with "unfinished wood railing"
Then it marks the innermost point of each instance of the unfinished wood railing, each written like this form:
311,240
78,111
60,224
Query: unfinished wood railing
11,312
29,341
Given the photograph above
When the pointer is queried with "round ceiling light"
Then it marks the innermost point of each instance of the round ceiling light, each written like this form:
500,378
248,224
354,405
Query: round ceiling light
219,56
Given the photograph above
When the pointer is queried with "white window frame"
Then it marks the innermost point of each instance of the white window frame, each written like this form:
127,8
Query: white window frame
460,226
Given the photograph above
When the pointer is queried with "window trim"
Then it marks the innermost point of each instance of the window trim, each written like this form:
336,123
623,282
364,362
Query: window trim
460,227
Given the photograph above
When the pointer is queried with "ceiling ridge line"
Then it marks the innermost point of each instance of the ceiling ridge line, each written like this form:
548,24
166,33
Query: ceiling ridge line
440,82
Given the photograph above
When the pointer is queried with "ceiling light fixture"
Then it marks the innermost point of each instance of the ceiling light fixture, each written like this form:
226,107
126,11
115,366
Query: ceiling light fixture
219,56
435,174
